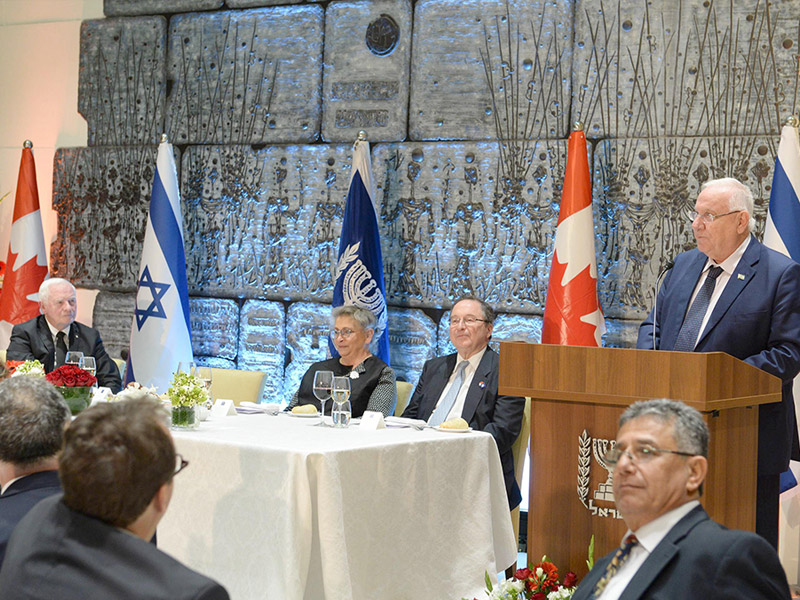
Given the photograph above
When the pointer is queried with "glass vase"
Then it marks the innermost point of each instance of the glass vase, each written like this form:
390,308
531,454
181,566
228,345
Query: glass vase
77,398
184,417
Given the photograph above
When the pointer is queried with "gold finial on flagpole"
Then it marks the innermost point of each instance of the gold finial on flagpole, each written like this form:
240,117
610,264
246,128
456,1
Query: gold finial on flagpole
577,126
793,121
362,136
27,144
164,138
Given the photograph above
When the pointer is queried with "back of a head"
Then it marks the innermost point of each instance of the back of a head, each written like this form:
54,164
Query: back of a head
33,416
116,456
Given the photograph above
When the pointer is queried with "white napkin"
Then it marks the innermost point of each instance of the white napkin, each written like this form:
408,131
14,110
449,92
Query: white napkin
404,422
251,408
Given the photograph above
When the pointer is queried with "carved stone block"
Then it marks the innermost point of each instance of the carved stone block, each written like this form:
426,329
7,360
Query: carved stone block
684,68
264,223
621,334
215,328
101,197
412,341
262,331
367,55
307,328
113,317
214,362
246,77
258,3
480,72
462,219
122,85
115,8
644,190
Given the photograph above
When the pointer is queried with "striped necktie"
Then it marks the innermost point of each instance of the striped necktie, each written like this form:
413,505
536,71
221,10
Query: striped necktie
687,336
446,404
619,558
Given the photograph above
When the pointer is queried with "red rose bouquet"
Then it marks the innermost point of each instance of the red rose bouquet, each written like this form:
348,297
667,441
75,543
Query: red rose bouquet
71,376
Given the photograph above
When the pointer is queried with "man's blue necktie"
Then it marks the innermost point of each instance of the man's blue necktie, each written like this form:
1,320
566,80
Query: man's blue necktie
446,404
687,336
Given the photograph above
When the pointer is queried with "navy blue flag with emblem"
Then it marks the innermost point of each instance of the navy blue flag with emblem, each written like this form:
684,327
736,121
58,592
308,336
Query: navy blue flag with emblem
359,268
161,334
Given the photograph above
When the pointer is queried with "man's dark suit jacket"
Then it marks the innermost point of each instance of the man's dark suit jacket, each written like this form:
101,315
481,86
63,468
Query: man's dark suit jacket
701,559
484,410
20,497
757,319
56,552
32,340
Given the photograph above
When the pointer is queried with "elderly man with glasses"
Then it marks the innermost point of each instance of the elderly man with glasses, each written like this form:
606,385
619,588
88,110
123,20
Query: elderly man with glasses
732,294
117,471
672,549
464,385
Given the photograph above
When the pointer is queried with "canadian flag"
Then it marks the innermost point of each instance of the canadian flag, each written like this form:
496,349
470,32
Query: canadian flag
26,266
572,313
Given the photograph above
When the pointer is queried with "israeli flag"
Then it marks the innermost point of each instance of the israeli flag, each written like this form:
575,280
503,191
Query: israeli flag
359,269
782,232
161,334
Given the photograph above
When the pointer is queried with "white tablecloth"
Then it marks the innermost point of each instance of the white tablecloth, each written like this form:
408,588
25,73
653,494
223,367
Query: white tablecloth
275,508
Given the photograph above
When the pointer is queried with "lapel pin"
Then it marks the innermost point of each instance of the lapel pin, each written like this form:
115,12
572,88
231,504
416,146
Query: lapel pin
481,384
741,275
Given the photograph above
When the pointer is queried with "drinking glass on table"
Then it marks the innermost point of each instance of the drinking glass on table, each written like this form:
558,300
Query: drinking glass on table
204,375
341,402
186,367
88,364
323,385
74,358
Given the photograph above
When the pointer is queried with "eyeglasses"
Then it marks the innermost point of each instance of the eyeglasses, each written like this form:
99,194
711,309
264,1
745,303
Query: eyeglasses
345,333
709,217
639,454
180,464
468,321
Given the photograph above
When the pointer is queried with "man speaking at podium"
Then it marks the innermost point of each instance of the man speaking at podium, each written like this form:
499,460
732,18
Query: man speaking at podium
732,294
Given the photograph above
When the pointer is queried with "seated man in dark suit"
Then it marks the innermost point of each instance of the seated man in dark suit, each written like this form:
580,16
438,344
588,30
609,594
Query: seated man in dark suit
117,470
672,548
465,385
33,416
48,337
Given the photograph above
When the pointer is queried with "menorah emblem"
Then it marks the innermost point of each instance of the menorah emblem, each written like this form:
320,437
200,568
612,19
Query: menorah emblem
605,491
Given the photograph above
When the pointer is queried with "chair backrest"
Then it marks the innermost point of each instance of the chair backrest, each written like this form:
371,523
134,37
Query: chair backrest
236,385
519,449
121,366
3,356
404,389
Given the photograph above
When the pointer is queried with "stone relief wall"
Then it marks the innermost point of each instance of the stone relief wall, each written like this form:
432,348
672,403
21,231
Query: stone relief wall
467,104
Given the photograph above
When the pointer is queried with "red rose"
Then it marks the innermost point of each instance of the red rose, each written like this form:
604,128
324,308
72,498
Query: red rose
539,596
570,579
522,574
70,380
54,377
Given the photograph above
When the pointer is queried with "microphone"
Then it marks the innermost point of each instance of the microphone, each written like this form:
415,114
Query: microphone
670,264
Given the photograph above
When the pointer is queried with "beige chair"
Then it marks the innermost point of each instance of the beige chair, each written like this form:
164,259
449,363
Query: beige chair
121,366
236,385
3,356
404,389
519,449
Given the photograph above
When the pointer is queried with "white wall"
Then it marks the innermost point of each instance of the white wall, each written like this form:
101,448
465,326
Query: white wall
39,51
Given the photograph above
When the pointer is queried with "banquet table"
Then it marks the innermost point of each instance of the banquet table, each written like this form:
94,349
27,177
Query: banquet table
274,507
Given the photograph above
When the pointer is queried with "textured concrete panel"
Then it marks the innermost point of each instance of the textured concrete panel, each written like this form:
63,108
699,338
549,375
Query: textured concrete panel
412,341
113,317
307,329
264,223
246,77
451,228
644,190
115,8
684,68
121,85
620,334
213,361
480,73
259,3
262,334
367,55
215,327
101,197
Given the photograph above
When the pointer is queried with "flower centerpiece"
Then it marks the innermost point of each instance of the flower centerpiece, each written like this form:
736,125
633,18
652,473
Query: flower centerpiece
75,384
25,367
185,394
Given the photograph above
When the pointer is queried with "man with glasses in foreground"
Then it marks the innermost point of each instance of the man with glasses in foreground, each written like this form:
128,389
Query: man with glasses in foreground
464,385
116,470
672,549
732,294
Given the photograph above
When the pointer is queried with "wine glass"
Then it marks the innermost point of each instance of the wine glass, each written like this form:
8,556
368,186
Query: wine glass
73,358
186,367
323,384
89,364
341,401
204,375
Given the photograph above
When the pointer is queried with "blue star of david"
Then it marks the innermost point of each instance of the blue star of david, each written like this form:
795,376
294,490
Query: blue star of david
157,290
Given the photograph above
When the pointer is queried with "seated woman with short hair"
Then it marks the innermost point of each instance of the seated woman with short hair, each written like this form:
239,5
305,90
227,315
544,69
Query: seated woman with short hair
372,381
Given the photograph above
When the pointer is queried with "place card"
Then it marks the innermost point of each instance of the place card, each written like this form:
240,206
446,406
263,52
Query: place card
372,420
223,408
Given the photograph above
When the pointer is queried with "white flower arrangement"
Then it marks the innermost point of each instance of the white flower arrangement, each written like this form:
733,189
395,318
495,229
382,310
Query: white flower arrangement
29,367
510,589
136,391
187,390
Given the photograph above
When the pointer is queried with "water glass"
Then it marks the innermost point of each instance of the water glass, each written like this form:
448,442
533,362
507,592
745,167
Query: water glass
323,386
341,402
73,358
186,367
88,364
204,375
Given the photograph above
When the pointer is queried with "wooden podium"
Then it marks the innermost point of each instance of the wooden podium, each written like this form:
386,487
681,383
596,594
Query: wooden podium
578,394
